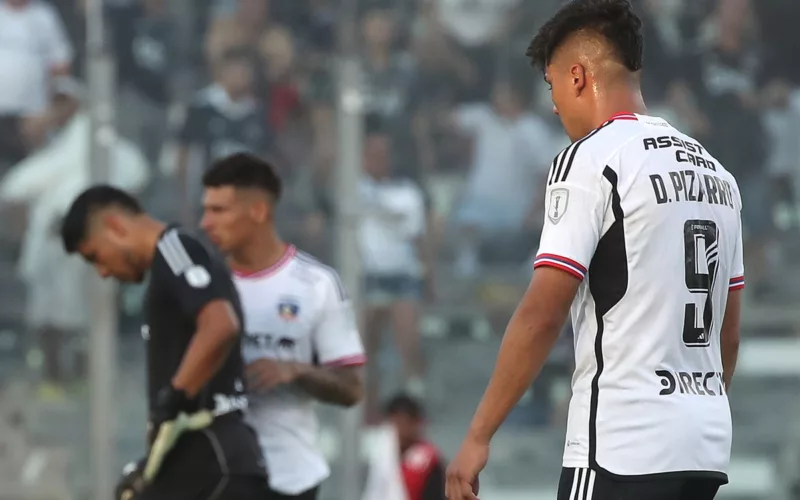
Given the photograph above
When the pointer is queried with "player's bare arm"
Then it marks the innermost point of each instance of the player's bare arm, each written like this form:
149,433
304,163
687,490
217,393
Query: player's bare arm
528,340
341,385
217,331
730,336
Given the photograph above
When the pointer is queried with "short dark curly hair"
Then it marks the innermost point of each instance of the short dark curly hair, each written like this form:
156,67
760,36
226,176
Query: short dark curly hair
404,404
243,170
75,224
615,20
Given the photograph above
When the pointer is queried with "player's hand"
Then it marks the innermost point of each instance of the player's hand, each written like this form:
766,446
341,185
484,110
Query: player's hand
132,481
170,402
173,414
462,474
265,374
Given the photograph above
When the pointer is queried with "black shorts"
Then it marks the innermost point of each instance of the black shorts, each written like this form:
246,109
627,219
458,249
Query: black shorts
306,495
221,462
206,487
586,484
229,447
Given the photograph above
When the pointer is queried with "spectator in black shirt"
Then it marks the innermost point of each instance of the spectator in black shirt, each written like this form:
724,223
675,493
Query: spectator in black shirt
223,119
391,92
194,365
391,96
730,68
143,41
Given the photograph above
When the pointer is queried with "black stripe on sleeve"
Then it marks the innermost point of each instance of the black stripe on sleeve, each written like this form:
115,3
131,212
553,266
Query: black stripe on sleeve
557,171
553,169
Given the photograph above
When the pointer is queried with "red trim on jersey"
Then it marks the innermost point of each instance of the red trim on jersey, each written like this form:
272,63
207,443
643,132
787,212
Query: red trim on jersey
354,360
572,267
287,257
736,283
624,115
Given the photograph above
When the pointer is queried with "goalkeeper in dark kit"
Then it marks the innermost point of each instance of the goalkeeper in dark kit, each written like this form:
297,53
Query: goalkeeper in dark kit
199,446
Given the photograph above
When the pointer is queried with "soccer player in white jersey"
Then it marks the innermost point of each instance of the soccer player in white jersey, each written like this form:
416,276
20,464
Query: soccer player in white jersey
301,340
642,244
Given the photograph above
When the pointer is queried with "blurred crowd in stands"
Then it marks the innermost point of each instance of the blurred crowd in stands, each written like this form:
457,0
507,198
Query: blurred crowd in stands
460,133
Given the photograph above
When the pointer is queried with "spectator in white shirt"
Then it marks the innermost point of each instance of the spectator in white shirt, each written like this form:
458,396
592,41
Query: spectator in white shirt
477,27
34,54
512,151
46,182
475,22
782,124
392,226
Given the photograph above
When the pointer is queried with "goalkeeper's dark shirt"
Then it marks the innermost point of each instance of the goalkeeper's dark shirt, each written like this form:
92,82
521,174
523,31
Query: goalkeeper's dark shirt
185,276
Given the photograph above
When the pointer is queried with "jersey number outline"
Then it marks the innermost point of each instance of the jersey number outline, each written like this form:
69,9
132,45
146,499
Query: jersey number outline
701,251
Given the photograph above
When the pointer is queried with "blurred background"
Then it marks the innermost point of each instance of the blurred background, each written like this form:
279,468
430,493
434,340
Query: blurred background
454,135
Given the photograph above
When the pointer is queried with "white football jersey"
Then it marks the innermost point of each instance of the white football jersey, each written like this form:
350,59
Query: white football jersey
650,222
297,310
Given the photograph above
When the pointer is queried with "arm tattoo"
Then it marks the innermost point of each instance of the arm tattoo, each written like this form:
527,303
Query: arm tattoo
340,385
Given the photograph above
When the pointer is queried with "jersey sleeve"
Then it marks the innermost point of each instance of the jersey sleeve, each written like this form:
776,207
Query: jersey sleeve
575,206
737,269
336,340
190,274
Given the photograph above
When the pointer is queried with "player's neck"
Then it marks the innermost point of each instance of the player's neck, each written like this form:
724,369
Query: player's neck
622,101
265,251
151,231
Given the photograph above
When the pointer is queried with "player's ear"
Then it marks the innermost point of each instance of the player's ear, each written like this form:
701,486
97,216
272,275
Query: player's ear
577,73
260,210
114,225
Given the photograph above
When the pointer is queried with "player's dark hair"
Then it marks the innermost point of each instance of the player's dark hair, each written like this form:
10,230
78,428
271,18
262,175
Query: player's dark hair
614,20
243,170
403,404
75,225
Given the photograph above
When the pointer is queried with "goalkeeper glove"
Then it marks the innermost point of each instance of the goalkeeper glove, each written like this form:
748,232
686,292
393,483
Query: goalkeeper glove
174,413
